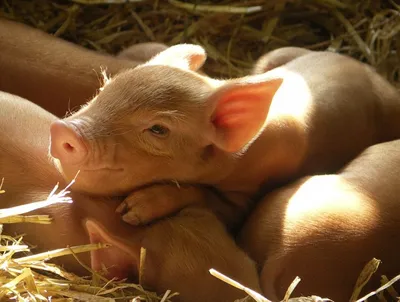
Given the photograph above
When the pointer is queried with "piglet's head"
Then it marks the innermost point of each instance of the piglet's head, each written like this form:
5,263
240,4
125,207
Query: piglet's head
162,120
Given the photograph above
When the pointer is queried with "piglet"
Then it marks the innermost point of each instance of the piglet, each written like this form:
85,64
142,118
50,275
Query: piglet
325,228
312,112
180,250
56,74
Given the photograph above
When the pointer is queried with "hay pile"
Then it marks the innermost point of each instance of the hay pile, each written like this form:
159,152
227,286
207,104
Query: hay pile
235,34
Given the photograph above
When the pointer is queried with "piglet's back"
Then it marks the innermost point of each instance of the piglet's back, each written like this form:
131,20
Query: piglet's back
23,147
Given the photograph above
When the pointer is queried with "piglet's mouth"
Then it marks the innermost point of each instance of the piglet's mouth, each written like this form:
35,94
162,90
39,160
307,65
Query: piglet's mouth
120,260
105,169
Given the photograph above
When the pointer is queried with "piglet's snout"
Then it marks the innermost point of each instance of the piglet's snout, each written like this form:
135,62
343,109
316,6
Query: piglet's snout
66,144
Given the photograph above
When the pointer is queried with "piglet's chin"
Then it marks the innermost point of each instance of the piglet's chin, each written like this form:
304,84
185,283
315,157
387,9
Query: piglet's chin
105,169
96,182
68,177
67,173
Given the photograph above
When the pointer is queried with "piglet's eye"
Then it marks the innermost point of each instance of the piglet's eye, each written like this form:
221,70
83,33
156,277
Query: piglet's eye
159,130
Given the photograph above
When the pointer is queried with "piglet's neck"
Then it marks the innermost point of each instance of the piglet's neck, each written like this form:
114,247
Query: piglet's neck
274,158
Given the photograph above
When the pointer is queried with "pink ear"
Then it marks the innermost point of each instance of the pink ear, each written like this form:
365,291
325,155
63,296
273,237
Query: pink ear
184,56
241,109
119,259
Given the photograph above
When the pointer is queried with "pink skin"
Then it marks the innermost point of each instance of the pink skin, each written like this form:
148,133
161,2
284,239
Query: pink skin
326,228
93,219
118,258
30,176
53,73
116,149
309,116
73,150
320,149
164,121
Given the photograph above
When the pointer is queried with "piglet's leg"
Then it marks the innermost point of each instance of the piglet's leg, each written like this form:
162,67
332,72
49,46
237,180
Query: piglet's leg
54,73
142,52
161,200
277,58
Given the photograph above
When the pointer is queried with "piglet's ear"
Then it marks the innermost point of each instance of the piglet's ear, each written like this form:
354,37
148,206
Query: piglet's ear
183,56
120,259
240,110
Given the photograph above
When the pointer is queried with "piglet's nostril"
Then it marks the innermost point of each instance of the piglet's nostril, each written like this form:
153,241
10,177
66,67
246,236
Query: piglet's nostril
66,144
68,147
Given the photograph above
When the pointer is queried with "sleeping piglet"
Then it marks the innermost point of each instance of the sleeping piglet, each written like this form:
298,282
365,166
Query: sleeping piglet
311,113
325,228
180,250
56,74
